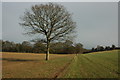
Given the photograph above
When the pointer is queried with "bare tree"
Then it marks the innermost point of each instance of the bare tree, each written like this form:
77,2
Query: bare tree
51,20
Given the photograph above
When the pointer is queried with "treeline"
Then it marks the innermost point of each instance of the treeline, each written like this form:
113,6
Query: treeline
101,48
66,47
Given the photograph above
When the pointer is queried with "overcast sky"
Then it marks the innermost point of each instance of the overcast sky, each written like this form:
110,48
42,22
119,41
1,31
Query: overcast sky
0,20
97,22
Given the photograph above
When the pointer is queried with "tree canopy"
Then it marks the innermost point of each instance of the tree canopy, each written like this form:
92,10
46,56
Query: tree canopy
51,20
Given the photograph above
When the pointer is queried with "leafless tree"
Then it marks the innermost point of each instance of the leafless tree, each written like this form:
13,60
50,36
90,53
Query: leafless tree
51,20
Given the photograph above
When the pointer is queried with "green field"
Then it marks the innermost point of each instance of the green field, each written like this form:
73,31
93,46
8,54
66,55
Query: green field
92,65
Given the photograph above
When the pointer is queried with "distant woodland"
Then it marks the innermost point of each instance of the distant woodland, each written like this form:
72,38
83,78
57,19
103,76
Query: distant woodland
66,47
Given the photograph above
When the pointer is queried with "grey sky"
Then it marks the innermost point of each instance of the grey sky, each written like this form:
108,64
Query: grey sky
97,22
0,20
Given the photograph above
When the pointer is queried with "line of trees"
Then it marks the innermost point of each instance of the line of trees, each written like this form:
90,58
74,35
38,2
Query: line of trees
66,47
101,48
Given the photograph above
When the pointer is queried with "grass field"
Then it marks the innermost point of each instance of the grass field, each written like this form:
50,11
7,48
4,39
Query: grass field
20,65
92,65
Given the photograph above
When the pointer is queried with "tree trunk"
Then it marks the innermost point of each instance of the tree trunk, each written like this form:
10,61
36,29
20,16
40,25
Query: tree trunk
47,54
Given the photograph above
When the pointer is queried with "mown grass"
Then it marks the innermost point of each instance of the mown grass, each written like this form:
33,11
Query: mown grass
33,65
94,65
